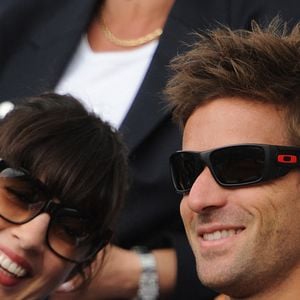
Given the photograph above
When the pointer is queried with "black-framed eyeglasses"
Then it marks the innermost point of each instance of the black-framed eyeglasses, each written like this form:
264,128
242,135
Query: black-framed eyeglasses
233,166
22,198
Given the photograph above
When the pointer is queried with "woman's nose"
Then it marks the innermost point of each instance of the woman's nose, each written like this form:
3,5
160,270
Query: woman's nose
32,235
206,193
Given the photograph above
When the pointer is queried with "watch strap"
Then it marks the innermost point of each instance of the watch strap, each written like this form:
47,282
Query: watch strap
148,282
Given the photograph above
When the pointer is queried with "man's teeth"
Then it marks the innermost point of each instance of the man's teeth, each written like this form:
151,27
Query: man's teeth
220,234
10,266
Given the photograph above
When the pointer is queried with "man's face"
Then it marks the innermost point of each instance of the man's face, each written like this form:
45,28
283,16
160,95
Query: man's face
245,239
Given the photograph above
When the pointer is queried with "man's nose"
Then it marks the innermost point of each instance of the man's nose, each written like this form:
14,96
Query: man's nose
206,193
32,235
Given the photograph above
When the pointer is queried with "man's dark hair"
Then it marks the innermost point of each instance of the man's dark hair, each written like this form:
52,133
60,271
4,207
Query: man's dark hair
259,65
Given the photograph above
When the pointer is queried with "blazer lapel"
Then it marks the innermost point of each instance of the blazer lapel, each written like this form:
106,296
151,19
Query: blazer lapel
149,108
47,48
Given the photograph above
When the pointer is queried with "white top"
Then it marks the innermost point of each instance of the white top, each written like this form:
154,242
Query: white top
107,82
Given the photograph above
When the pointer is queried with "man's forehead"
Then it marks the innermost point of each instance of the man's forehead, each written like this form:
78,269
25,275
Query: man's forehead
226,121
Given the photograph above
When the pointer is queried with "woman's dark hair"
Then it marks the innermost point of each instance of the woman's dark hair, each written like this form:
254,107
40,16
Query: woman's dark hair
79,157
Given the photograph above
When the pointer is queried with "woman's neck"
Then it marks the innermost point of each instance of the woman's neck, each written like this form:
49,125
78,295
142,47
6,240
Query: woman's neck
127,19
130,12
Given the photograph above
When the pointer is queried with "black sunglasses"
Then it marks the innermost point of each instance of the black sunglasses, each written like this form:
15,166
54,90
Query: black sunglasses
22,198
233,166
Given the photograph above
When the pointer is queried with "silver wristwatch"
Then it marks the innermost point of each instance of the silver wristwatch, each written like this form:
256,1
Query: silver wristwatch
148,283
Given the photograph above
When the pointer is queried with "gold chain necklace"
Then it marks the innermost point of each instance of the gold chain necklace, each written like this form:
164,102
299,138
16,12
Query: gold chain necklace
130,42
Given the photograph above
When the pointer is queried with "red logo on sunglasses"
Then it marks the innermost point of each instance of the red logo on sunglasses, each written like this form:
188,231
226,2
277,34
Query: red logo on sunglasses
287,159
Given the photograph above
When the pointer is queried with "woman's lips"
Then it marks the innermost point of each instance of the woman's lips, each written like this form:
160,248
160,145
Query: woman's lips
10,266
13,267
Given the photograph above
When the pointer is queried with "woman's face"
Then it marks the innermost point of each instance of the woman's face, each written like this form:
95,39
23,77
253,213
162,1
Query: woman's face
28,268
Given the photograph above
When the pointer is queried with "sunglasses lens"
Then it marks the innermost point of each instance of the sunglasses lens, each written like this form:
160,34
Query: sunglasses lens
238,165
185,168
20,199
68,236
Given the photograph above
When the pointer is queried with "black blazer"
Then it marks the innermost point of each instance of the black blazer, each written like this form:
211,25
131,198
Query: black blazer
37,40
